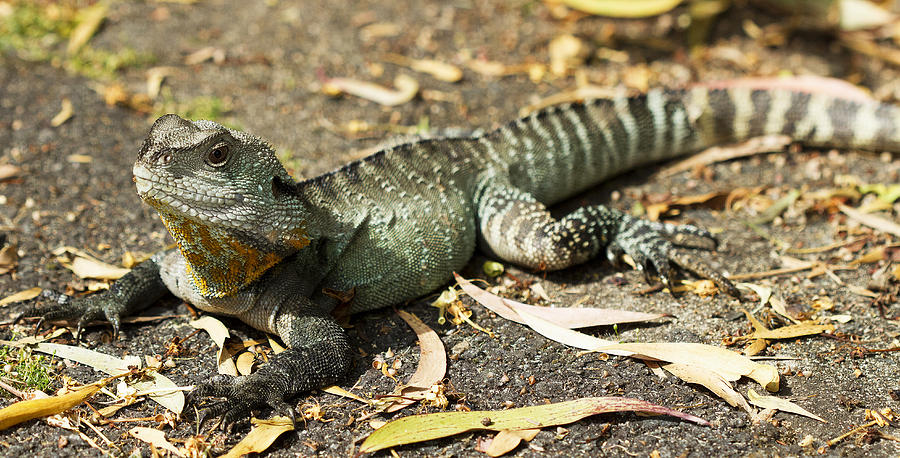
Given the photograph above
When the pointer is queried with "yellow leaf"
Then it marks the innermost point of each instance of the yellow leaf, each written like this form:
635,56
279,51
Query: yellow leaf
623,8
29,293
219,334
36,408
261,436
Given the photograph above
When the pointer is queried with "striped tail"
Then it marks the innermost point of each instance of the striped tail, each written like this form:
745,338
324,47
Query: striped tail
559,151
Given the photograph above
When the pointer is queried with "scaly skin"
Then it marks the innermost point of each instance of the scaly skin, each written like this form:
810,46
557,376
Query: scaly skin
394,226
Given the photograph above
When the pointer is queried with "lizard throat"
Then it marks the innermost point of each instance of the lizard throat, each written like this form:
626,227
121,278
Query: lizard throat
221,261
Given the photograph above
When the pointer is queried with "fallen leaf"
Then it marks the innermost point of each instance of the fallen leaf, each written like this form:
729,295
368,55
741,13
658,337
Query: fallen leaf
23,411
9,171
244,364
25,295
432,364
772,402
507,440
784,332
217,55
711,380
262,436
219,334
9,258
155,78
862,14
419,428
155,438
89,20
623,9
338,391
875,222
92,268
157,387
80,158
567,317
65,112
406,89
728,364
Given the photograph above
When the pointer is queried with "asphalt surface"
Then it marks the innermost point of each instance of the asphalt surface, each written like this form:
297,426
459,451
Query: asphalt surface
277,55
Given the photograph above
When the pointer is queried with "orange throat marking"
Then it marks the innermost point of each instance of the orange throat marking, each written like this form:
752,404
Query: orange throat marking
219,263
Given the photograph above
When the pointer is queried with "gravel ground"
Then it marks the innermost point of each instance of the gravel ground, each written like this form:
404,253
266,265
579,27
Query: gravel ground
276,56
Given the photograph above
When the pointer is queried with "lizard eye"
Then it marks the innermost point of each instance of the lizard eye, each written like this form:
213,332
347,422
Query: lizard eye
217,156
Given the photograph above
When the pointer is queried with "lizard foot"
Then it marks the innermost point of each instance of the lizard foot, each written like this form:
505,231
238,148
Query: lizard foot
235,398
648,244
86,309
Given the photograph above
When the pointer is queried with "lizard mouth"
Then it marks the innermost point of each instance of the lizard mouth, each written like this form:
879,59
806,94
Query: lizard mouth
168,195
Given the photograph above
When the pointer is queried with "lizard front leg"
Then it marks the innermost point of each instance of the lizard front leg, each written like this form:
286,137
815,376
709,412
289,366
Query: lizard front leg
516,227
130,294
318,355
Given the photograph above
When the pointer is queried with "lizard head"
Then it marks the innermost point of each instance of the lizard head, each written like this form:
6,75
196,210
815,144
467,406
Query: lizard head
226,199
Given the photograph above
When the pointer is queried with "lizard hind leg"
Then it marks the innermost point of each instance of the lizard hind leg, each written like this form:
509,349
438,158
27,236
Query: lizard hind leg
514,226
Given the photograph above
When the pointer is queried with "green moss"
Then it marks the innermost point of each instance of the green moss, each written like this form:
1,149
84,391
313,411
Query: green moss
201,107
38,31
25,369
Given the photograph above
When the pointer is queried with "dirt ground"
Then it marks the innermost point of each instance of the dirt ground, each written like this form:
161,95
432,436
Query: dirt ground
76,190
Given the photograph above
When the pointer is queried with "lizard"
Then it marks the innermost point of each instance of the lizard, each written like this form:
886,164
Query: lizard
253,243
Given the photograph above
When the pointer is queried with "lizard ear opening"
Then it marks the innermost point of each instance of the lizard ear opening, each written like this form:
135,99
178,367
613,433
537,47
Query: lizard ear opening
280,188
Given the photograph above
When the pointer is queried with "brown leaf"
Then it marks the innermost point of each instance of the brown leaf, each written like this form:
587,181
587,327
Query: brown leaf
9,258
507,440
432,363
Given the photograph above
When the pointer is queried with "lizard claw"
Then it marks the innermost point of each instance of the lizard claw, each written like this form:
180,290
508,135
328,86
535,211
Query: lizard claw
237,396
648,244
85,310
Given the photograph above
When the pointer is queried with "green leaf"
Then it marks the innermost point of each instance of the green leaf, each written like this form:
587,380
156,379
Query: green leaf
418,428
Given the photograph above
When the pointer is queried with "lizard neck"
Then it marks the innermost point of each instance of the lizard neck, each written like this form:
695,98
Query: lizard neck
223,260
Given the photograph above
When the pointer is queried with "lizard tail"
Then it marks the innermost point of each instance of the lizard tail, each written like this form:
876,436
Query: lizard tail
559,151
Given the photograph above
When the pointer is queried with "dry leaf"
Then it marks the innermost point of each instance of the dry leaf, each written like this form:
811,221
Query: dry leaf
159,388
772,402
9,171
419,428
80,158
155,438
432,364
244,364
338,391
623,9
201,55
25,295
505,441
262,436
567,317
406,89
875,222
784,332
219,334
23,411
89,21
711,380
65,112
439,70
9,258
92,268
